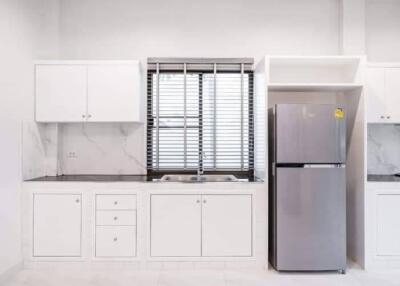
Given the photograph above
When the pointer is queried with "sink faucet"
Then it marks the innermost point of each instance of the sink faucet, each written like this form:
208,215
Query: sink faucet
200,170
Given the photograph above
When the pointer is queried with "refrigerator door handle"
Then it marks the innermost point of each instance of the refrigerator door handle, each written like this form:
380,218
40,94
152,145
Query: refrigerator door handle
319,166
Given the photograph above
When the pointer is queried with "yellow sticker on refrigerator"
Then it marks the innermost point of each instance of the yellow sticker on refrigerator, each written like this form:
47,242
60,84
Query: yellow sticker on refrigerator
339,113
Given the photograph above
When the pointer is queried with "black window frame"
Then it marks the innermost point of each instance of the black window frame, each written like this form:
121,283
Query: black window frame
249,173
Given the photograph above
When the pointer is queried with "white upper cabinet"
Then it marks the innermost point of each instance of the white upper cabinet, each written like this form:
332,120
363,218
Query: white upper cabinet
376,95
61,93
113,93
383,94
88,91
392,94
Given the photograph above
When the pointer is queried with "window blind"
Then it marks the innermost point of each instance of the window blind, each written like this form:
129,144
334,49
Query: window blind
200,115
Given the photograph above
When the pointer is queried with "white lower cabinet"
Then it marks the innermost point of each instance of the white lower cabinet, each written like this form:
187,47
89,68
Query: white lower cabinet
189,225
388,225
227,227
115,217
57,225
116,226
383,226
115,241
115,202
201,225
175,225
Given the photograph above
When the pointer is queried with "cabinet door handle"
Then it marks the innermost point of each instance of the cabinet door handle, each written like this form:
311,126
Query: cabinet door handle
382,117
204,201
89,116
77,200
198,201
115,218
115,238
83,115
116,203
387,117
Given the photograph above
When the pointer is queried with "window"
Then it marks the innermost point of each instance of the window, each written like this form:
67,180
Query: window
200,116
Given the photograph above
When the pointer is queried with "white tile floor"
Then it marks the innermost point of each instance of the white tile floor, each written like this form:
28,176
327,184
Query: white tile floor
223,277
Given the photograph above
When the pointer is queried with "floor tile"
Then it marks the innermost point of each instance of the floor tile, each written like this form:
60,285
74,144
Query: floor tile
192,278
187,275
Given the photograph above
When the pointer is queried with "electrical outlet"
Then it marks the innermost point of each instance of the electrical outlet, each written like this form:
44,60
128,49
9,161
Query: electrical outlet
71,155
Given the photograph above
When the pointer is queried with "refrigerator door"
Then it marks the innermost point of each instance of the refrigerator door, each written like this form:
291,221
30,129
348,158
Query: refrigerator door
310,133
310,226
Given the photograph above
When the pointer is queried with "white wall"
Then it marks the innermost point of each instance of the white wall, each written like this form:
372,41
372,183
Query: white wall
353,27
25,27
383,30
126,29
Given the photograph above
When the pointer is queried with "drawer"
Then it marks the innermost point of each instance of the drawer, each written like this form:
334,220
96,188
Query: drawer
111,217
115,241
116,202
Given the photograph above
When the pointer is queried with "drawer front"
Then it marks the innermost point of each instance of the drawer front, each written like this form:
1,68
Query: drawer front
115,241
111,217
116,202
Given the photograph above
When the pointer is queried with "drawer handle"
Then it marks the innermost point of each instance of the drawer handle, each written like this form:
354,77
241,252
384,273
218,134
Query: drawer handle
77,200
115,238
382,117
115,218
198,201
116,203
205,201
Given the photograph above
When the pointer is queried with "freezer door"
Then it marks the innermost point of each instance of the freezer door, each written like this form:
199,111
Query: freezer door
310,133
310,219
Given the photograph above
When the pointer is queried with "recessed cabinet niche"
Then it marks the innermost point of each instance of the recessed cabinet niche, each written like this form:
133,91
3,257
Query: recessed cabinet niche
88,92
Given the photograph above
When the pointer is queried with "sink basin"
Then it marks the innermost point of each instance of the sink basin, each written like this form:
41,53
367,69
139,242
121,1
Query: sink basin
198,179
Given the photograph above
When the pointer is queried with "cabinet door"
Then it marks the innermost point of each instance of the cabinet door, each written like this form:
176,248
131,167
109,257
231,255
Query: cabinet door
175,225
392,94
227,225
114,93
61,93
388,224
376,111
57,225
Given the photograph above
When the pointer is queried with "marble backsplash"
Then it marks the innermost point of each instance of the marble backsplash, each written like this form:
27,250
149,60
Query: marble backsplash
102,148
383,149
83,148
119,148
39,150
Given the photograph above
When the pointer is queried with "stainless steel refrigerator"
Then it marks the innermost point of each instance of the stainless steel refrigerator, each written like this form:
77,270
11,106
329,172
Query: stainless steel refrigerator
307,192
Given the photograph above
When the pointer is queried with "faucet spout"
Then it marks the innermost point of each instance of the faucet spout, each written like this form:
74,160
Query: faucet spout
200,170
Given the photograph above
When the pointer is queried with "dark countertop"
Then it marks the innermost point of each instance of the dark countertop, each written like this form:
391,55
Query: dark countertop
94,178
383,178
107,178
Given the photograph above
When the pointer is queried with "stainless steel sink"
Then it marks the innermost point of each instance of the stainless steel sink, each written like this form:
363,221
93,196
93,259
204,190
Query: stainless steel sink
198,179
